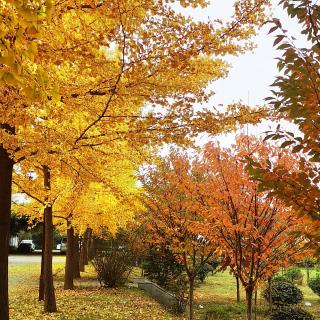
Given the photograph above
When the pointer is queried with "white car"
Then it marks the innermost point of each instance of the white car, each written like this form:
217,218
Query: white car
26,245
63,245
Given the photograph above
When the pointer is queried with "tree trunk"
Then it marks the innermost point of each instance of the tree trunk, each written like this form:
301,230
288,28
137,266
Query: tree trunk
88,242
308,273
49,295
92,248
191,289
270,293
76,269
41,279
70,258
81,258
238,289
249,292
255,304
85,249
6,168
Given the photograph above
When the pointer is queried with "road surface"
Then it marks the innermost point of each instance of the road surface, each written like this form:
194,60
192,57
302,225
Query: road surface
32,259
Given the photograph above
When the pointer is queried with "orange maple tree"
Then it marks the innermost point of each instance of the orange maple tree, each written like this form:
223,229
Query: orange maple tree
207,204
174,218
257,233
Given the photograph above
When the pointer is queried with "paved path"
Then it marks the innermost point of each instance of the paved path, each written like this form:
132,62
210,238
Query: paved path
32,259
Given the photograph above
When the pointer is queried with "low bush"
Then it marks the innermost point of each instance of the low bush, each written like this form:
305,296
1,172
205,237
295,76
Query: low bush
112,268
280,278
290,313
114,263
314,284
161,267
204,271
214,263
283,294
294,274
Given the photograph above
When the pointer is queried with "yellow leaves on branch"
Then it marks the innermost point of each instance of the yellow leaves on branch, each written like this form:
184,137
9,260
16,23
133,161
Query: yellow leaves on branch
103,200
20,28
155,52
76,76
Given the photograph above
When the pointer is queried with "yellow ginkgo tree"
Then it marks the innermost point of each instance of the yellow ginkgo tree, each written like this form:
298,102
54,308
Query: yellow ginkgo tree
89,67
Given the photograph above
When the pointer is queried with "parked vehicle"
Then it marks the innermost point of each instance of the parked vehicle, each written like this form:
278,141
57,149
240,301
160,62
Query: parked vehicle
62,245
26,246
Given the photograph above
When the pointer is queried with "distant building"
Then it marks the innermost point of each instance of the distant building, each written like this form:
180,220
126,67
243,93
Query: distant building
14,241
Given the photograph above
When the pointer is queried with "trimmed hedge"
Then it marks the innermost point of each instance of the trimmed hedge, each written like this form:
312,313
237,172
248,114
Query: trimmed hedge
279,278
204,271
290,313
314,284
283,293
294,275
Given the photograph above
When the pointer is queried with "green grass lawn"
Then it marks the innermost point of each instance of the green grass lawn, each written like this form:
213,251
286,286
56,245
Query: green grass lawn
217,295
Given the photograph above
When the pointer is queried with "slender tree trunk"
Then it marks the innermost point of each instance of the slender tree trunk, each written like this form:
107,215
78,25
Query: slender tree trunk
49,295
238,288
6,168
88,241
270,294
308,273
249,292
70,258
191,290
92,248
85,249
81,264
41,279
81,258
76,271
255,304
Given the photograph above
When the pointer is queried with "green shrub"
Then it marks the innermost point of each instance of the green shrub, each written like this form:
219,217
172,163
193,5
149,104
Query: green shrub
204,271
214,263
278,278
161,267
283,294
290,313
314,284
294,274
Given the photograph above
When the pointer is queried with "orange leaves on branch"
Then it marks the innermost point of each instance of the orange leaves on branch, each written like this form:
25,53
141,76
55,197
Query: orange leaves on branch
295,97
257,232
174,215
209,201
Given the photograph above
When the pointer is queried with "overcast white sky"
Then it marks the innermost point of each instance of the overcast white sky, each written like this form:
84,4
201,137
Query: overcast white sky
252,73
